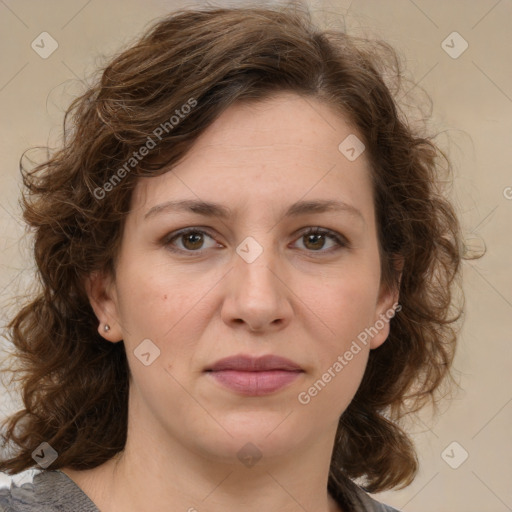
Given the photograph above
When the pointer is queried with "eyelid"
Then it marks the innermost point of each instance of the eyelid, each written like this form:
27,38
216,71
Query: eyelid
167,239
340,240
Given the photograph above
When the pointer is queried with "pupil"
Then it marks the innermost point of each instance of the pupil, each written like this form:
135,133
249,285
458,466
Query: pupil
190,237
318,237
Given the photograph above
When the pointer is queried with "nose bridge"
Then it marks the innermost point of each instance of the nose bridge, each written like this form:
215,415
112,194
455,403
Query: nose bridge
256,263
255,293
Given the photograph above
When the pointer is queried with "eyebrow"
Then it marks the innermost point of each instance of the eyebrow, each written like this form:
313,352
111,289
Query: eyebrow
211,209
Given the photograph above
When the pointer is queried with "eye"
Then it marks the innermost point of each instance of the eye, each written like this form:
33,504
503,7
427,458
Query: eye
193,239
315,239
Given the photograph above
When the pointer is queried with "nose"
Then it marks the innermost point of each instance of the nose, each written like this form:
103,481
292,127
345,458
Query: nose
257,294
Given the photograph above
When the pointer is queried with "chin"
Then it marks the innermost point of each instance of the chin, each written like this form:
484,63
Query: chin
255,435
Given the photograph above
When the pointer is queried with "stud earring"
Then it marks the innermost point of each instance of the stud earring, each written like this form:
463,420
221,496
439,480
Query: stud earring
106,328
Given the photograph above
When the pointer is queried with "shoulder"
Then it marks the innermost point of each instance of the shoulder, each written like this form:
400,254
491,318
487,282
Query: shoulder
353,497
17,492
43,491
369,504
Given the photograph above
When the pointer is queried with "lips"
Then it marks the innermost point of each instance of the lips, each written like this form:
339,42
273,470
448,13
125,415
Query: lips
255,364
252,376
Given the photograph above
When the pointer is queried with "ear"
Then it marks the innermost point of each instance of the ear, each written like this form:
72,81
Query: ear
101,290
386,308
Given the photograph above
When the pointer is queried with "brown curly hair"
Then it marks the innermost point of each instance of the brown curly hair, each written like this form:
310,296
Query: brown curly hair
75,386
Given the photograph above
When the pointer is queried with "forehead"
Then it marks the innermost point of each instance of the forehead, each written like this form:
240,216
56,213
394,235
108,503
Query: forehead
284,118
283,148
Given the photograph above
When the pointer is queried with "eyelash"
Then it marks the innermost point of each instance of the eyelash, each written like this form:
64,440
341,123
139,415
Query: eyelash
340,240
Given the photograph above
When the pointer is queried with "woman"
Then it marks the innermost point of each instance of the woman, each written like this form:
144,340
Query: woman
246,267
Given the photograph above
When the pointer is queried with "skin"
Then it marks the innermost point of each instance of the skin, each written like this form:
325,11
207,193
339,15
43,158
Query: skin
299,299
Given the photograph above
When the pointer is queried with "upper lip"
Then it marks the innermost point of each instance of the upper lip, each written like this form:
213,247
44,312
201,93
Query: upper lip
254,364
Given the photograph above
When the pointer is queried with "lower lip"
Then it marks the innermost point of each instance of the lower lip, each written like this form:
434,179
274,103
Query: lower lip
255,383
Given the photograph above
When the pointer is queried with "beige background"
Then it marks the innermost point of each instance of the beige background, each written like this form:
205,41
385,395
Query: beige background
472,98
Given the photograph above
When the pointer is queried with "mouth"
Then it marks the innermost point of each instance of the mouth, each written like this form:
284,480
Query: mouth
253,376
244,363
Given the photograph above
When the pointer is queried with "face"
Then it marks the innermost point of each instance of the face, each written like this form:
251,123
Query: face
250,282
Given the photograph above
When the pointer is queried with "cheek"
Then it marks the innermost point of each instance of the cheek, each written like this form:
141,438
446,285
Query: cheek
168,307
152,293
328,395
346,305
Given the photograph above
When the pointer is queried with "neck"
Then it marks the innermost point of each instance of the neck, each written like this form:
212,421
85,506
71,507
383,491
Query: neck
192,483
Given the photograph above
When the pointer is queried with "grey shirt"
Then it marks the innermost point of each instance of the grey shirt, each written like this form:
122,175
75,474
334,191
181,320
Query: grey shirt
54,491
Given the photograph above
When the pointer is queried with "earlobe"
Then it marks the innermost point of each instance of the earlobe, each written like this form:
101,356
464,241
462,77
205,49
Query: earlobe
387,307
385,312
103,299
